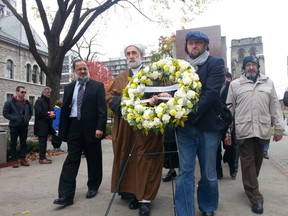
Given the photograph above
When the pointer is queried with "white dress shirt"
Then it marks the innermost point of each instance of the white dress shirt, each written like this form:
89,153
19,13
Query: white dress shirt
74,100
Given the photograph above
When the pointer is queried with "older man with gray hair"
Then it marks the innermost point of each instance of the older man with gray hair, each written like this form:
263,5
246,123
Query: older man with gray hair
136,173
255,107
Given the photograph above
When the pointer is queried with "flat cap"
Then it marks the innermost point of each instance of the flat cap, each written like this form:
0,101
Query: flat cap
197,35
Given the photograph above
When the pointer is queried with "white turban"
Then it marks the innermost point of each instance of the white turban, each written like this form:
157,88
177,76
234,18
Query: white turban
138,45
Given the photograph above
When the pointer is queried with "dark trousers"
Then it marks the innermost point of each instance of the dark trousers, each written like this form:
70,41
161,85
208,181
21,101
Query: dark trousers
93,152
20,132
230,156
251,156
171,159
42,147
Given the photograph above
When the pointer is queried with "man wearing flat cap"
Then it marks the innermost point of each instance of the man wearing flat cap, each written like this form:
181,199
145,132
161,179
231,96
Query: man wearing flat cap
139,176
255,107
201,133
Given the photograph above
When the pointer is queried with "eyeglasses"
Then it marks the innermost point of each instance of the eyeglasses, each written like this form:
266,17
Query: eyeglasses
23,92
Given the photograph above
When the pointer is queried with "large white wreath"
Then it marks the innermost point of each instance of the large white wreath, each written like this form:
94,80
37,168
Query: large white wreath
165,75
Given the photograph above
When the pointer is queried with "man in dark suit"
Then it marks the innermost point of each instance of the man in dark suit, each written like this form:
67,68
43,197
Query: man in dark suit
82,126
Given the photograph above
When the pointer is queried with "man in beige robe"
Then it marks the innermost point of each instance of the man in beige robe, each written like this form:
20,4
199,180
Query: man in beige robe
137,156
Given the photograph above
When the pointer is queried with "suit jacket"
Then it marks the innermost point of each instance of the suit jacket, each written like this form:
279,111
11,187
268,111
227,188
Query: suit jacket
93,111
212,76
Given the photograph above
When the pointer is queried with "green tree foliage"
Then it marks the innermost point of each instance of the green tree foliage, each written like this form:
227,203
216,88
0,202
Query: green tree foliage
165,48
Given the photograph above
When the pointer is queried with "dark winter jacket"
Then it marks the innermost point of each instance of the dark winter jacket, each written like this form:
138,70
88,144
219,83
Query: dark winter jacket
212,75
285,98
17,115
43,123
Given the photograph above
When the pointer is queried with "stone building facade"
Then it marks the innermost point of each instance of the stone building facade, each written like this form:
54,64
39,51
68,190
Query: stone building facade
240,48
17,65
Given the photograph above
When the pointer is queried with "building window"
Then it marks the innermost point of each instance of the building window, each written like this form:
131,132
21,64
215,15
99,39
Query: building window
252,51
41,76
28,73
9,96
241,53
32,101
9,69
34,74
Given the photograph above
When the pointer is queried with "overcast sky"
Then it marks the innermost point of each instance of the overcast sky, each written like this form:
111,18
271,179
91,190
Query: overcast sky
238,19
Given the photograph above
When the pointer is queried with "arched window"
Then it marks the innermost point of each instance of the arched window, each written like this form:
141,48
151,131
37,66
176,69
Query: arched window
241,53
28,73
41,77
252,51
34,74
9,69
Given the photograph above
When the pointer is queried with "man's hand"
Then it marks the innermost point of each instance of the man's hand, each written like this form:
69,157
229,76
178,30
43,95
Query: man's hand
98,133
277,137
153,100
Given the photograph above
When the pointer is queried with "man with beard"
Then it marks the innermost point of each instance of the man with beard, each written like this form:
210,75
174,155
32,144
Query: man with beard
255,107
136,170
201,133
82,126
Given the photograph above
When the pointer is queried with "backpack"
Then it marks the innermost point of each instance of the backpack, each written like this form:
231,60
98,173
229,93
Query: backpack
225,114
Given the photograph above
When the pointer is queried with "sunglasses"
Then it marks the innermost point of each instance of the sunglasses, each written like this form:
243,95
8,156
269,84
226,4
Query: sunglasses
23,92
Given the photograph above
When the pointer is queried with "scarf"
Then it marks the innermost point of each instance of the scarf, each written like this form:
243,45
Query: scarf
23,101
199,60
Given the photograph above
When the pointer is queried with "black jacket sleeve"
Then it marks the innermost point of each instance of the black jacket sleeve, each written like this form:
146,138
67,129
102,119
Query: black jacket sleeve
285,98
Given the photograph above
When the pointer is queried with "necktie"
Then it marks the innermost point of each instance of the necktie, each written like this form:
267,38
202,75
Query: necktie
79,100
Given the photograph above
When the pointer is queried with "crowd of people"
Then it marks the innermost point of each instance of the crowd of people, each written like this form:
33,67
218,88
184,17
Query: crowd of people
80,120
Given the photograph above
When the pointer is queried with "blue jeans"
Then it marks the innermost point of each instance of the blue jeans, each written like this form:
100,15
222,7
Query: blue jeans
192,142
266,147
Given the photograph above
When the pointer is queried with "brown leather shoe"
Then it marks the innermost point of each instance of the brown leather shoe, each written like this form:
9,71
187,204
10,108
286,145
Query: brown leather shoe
24,162
48,159
15,164
45,161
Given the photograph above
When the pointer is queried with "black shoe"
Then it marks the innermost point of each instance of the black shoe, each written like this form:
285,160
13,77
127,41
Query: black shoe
257,208
232,170
144,209
134,204
91,193
63,201
266,156
233,175
208,213
169,176
127,196
219,176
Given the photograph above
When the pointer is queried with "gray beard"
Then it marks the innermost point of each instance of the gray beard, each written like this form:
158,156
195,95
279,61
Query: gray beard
250,76
82,80
135,64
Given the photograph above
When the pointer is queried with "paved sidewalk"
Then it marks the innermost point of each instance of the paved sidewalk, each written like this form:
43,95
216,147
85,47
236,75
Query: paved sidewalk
31,190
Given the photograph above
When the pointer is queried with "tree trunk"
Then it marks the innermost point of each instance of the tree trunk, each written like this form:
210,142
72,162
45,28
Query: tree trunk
53,81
